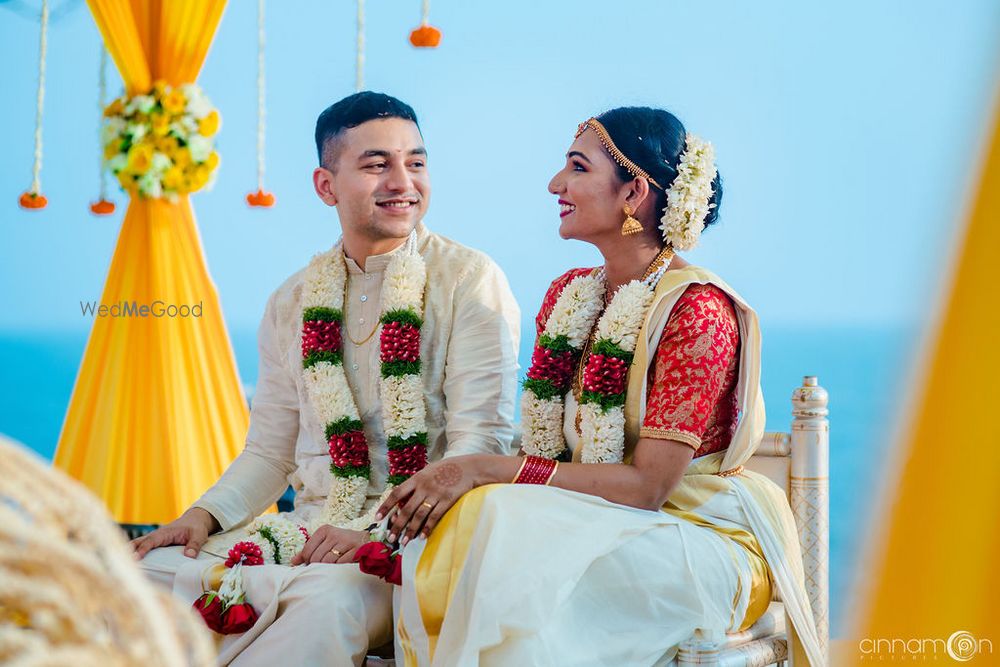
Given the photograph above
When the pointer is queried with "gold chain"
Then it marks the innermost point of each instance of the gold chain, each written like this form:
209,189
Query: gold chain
365,339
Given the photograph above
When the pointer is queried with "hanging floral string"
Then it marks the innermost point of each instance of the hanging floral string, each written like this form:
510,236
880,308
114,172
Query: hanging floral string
426,36
359,64
33,198
260,198
103,206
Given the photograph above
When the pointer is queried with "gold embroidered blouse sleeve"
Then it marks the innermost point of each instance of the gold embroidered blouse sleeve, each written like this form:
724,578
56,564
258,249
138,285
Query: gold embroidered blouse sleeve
695,353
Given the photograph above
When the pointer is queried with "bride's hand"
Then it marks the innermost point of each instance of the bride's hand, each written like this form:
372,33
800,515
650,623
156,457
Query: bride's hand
425,497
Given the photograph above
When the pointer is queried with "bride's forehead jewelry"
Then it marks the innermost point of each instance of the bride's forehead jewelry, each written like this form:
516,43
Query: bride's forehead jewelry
616,154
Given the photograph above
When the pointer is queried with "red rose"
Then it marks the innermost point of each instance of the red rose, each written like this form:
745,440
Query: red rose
238,618
605,375
247,553
396,576
374,558
210,607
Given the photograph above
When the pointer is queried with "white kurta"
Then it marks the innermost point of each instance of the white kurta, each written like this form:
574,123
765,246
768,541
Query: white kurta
469,345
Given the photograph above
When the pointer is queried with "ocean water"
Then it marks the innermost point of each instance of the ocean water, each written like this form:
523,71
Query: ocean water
861,368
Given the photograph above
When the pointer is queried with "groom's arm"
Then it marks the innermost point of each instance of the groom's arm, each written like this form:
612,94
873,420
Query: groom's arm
480,383
259,475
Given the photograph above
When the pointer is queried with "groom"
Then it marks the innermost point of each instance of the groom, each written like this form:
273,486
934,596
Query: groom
324,611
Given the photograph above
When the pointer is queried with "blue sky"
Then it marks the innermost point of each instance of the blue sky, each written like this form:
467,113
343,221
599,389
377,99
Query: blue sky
846,134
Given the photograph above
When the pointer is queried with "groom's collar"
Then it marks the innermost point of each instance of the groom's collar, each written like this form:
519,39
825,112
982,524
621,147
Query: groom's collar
377,263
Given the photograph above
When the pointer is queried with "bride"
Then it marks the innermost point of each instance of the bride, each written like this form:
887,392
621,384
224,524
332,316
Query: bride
629,524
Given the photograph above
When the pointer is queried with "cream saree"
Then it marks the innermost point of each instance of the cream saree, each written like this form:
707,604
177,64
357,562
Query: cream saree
543,576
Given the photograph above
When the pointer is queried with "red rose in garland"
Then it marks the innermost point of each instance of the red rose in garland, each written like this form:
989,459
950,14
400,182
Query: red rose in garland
210,607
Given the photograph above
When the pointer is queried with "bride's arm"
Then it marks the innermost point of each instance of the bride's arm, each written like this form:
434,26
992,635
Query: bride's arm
657,466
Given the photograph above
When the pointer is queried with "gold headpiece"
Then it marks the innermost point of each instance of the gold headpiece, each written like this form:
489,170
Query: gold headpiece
616,154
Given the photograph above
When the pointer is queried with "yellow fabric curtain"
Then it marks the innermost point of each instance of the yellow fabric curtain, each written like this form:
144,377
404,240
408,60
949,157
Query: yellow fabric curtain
935,573
157,412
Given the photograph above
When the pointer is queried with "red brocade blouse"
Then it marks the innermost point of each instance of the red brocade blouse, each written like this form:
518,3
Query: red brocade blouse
692,383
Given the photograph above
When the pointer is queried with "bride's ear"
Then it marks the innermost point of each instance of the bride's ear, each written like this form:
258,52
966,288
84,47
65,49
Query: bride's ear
636,193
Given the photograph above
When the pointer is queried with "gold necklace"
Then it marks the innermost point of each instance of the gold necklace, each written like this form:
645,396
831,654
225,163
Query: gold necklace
363,340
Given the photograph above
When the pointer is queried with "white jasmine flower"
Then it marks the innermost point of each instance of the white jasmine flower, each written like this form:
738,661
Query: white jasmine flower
576,310
137,131
197,103
689,195
624,317
325,280
603,434
403,288
149,185
231,586
140,103
542,423
200,147
347,497
403,410
329,392
117,163
113,128
160,163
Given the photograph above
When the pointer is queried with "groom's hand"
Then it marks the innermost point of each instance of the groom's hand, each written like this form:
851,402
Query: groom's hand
330,544
191,529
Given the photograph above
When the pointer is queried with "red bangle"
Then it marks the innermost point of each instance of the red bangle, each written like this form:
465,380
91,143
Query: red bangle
536,470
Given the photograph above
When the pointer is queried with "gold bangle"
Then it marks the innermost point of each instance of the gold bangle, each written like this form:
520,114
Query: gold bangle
524,459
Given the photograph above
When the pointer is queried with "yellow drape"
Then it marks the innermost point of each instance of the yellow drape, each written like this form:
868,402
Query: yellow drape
935,573
157,412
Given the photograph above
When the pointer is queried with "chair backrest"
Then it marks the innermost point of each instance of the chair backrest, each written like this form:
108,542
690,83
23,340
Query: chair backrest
798,462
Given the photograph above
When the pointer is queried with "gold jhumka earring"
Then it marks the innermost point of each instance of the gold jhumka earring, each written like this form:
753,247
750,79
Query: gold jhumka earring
631,225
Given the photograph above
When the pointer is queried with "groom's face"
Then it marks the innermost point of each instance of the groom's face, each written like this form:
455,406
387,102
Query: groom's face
378,178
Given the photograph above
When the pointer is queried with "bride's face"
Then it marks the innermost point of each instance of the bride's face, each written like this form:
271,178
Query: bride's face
590,194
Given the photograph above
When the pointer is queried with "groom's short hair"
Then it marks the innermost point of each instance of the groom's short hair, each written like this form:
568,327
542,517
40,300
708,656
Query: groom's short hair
352,111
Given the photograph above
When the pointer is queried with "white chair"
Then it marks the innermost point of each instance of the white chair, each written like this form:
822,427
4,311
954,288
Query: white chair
798,462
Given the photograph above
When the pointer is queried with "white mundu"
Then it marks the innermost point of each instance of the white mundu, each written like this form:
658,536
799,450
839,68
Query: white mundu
325,614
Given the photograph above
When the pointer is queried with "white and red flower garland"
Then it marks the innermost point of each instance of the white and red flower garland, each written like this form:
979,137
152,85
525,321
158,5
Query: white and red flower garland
403,410
602,400
273,540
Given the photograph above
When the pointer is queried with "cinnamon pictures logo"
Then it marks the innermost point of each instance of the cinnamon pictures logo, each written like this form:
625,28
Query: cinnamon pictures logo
135,309
961,646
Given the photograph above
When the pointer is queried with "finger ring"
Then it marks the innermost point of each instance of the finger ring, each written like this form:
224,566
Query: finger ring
335,552
426,504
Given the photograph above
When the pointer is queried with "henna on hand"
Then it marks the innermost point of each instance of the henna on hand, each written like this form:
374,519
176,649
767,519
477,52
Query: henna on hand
448,474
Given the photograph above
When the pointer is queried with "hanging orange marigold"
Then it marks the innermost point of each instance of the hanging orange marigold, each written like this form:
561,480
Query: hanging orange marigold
102,207
425,37
33,200
260,199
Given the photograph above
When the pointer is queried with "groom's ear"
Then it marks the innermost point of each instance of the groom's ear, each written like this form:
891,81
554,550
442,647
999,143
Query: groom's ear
323,182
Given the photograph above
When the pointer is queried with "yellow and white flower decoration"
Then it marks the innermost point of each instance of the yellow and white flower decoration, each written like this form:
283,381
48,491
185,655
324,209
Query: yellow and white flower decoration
161,144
